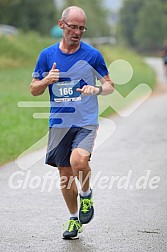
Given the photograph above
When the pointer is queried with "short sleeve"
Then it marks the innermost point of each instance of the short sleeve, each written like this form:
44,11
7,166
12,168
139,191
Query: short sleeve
41,68
100,67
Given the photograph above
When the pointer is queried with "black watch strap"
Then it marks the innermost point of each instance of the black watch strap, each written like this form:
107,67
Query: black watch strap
100,90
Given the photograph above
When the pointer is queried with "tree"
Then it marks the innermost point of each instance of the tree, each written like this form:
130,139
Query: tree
129,20
6,10
151,28
38,15
143,23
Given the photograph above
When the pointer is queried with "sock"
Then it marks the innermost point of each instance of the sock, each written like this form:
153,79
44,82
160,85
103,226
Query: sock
84,194
74,215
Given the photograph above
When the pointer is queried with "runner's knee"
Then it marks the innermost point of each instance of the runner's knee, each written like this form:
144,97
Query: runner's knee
79,165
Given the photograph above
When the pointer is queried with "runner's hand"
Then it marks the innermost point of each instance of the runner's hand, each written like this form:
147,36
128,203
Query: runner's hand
88,90
53,74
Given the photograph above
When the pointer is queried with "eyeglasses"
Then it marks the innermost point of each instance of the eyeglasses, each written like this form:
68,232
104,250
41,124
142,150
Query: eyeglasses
76,27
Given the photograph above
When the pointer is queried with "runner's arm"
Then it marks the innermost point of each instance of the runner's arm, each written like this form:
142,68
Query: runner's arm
106,88
107,85
37,87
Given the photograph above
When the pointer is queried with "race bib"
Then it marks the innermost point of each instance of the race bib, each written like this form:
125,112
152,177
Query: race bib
66,91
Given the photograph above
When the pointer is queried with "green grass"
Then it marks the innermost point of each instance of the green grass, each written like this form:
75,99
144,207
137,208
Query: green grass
19,130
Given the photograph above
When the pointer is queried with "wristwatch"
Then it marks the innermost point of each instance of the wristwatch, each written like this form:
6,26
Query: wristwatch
100,90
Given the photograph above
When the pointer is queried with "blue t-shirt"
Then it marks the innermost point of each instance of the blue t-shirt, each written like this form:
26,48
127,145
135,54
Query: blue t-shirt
68,107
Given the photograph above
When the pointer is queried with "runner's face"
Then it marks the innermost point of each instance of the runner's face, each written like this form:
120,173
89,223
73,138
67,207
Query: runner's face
73,30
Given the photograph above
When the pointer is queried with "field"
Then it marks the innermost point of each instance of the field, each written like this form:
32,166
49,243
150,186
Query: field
19,130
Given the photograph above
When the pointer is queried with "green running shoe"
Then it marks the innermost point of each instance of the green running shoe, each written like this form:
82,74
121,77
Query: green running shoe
74,227
86,211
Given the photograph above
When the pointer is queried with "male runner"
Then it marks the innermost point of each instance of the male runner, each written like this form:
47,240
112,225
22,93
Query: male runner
70,69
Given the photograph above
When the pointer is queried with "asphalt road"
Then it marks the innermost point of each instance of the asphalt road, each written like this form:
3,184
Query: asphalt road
129,181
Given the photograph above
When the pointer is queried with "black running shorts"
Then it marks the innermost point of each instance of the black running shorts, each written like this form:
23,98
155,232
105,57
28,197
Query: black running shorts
62,141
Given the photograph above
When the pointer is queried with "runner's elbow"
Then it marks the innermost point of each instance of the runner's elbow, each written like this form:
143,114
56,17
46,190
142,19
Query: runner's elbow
34,91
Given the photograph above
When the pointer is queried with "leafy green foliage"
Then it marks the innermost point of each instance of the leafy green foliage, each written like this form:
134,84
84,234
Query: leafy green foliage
42,15
38,15
129,19
143,23
151,28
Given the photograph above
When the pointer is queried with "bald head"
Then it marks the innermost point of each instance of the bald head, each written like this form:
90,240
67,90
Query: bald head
73,11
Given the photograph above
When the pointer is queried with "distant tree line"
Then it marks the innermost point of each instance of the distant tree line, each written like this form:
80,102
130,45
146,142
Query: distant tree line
42,15
143,24
38,15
